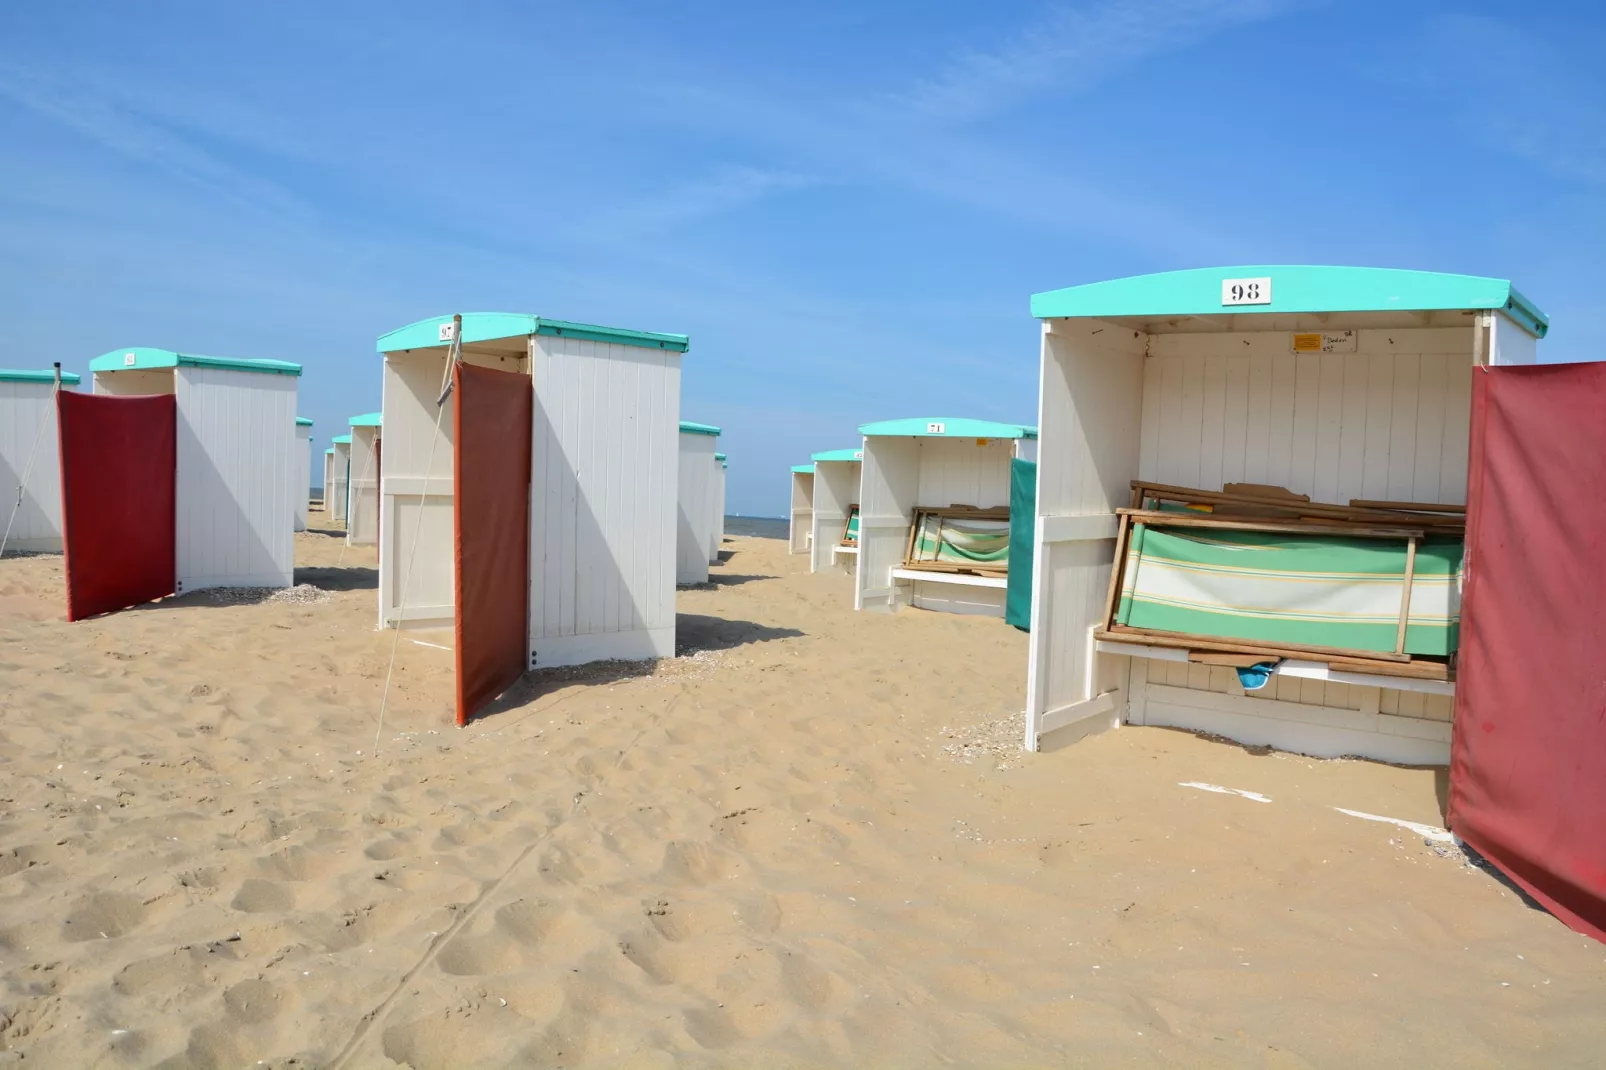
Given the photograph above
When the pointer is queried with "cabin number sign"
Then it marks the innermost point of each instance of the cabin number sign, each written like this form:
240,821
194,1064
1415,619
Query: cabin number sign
1246,291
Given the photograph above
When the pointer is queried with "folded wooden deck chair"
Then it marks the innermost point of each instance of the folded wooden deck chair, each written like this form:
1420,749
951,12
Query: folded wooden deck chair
850,528
1309,590
960,539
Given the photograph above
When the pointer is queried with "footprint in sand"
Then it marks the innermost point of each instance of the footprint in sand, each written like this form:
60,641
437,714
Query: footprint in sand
250,1002
263,897
103,916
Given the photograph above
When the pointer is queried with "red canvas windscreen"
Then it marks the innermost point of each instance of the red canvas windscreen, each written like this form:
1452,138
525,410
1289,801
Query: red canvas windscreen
118,462
1528,755
491,411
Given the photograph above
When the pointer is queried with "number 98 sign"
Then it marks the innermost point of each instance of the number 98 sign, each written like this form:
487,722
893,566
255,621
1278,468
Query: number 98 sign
1246,291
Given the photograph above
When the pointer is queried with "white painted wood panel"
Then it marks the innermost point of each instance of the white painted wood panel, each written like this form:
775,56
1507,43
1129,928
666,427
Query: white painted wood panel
694,525
1095,419
802,513
302,490
604,503
716,519
1389,421
415,490
362,489
134,382
889,485
957,471
30,498
237,465
836,490
337,492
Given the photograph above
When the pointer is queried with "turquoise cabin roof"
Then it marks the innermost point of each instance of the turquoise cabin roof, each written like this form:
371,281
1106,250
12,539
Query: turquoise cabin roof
947,427
11,375
1294,289
143,357
490,326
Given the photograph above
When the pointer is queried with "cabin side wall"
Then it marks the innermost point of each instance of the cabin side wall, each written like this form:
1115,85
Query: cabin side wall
716,511
695,510
836,490
336,491
603,501
415,492
801,515
362,489
889,489
28,429
958,471
1388,421
134,381
237,464
301,490
1090,405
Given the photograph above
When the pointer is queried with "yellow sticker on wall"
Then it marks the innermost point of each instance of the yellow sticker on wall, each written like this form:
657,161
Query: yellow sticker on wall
1308,343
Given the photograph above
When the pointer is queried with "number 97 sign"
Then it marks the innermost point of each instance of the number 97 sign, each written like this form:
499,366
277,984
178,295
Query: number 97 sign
1246,291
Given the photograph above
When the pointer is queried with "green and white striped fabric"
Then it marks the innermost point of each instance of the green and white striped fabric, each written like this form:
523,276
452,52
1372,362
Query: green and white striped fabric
962,541
850,535
1307,590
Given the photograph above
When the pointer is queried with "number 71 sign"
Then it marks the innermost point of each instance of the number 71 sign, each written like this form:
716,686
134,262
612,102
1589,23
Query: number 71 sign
1246,291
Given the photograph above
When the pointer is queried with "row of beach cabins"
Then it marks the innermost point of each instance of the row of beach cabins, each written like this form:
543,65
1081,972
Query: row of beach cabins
1324,509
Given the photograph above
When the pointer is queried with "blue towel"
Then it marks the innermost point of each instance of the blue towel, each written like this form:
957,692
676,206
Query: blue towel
1255,676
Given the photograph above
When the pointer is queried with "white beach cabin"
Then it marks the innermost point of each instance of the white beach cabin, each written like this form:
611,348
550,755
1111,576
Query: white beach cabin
699,497
1349,387
362,482
337,480
721,465
834,536
238,460
800,517
600,499
934,513
30,497
302,494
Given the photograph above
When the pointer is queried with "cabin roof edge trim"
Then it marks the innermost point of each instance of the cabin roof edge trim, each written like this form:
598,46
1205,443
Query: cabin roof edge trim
491,326
1296,288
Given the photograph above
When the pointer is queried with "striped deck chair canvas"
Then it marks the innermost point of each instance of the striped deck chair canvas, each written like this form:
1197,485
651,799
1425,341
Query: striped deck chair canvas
951,540
1305,590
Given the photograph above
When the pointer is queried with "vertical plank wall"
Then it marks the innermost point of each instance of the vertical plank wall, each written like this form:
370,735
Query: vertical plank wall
957,471
716,509
28,430
889,487
237,462
836,490
337,496
1091,402
362,519
301,489
415,491
801,514
1389,421
603,501
695,509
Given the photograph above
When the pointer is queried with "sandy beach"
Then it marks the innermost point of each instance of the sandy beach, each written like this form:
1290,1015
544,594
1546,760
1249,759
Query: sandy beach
810,840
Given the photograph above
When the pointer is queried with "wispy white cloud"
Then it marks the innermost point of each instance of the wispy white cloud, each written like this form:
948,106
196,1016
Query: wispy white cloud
1074,47
723,190
99,117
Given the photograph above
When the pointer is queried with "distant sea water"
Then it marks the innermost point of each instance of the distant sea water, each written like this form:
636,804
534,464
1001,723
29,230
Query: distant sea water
763,527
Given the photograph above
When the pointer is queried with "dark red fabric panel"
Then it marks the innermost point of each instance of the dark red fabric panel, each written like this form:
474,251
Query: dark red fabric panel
118,459
491,414
1528,755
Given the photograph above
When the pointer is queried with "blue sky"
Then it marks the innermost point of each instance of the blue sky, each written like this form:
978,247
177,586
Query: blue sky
846,205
